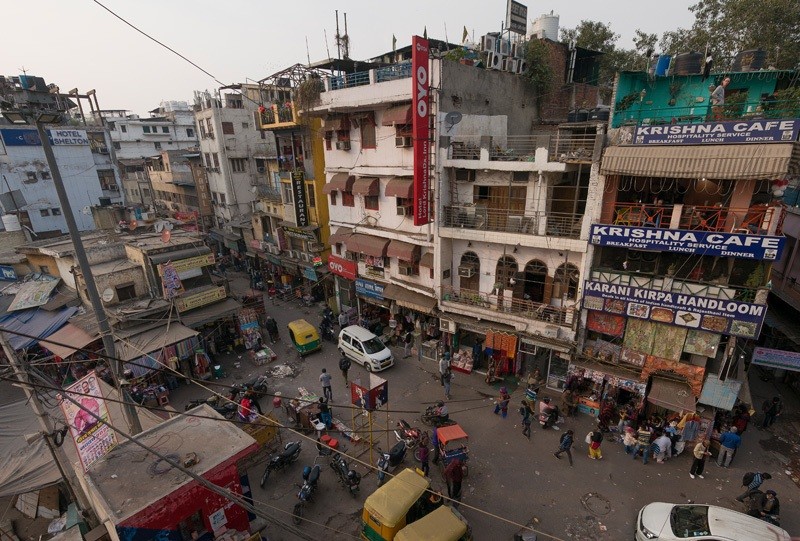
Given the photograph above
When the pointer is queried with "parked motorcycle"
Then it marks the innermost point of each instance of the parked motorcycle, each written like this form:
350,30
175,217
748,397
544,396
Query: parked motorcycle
431,417
549,417
405,432
389,461
290,454
225,408
310,481
350,479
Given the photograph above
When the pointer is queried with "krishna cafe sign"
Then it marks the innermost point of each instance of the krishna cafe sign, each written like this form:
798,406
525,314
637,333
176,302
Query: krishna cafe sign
754,131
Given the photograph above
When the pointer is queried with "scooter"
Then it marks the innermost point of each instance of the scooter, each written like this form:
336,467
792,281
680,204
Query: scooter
404,432
227,409
549,417
310,480
326,331
290,454
390,460
350,479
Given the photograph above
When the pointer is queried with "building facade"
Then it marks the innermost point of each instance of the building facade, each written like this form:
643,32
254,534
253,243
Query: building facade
180,187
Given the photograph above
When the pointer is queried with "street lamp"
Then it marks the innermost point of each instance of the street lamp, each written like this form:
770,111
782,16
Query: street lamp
39,119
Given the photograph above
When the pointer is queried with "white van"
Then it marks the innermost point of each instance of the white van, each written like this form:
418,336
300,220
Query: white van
365,348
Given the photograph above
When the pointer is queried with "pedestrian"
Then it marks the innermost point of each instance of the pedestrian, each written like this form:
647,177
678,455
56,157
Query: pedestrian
728,443
325,413
771,411
525,411
447,377
344,366
765,506
643,436
629,440
594,439
664,445
454,475
751,481
408,341
700,452
718,99
568,403
343,319
565,445
325,379
444,365
501,405
272,329
423,454
742,419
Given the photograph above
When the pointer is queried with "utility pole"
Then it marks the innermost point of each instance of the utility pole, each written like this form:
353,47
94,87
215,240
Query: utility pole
59,456
88,278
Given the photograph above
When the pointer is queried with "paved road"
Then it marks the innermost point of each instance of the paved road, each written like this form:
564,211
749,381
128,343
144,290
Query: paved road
510,476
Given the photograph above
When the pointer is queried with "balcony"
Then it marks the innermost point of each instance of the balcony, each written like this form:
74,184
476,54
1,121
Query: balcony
754,220
349,80
395,71
558,147
556,315
552,224
278,116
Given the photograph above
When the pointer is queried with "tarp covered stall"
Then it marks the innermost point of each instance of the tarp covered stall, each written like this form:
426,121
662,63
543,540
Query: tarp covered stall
67,340
34,322
672,395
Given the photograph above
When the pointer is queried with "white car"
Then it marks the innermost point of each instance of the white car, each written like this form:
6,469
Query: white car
365,348
672,522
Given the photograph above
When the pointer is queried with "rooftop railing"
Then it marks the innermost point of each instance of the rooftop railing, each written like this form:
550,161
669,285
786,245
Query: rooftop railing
557,315
756,219
553,224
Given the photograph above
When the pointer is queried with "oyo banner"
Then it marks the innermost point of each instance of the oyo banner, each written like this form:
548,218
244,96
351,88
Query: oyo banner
720,316
342,267
689,242
420,79
715,133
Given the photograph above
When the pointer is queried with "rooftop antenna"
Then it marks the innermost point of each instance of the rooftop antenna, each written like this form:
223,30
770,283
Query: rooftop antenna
345,40
23,70
328,49
308,53
338,38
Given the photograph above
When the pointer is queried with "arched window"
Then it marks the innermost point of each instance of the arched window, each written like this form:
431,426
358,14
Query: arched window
506,272
469,271
534,278
566,281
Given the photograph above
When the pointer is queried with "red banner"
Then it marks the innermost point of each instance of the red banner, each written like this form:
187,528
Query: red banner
343,267
421,128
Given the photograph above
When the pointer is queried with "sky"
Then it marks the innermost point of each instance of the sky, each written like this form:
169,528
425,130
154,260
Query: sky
78,44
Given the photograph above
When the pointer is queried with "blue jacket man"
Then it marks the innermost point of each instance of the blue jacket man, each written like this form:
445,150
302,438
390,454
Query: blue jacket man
728,443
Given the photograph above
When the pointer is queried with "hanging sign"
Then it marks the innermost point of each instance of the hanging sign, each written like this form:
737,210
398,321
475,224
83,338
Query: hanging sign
420,80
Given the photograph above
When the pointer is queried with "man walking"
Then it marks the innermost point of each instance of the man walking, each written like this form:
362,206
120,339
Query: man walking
325,379
565,445
771,411
700,452
643,436
751,481
344,366
525,411
728,443
664,448
444,365
454,474
408,342
447,377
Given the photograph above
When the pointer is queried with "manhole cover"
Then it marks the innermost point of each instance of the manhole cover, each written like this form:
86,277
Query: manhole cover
597,504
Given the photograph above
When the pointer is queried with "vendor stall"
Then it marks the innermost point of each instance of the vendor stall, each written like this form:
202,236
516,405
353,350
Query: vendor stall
595,383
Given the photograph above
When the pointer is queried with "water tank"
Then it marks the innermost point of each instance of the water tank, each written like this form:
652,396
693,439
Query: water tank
750,60
582,116
602,113
663,64
572,116
687,64
545,26
11,222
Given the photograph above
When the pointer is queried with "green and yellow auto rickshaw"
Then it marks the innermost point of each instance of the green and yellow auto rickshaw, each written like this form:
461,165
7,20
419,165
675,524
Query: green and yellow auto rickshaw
400,501
304,336
442,524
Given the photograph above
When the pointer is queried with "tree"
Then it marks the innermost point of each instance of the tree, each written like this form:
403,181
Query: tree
539,74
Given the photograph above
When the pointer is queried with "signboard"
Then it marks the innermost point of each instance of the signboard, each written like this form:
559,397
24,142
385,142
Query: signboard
299,191
208,296
170,281
689,242
369,289
420,79
517,17
370,399
32,294
715,133
195,262
343,267
310,273
93,438
720,394
719,316
30,138
297,233
777,358
7,273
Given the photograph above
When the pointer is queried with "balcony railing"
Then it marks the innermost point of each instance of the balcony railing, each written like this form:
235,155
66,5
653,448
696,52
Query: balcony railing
267,116
480,218
547,313
704,112
561,147
395,71
465,148
756,220
349,80
286,113
517,148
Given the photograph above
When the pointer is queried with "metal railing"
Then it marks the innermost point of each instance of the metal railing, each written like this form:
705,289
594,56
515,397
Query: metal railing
349,80
401,70
267,116
572,147
553,224
562,316
520,148
756,220
705,112
465,148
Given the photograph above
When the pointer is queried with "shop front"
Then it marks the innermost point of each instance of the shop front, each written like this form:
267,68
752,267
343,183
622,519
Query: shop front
412,310
479,345
373,308
595,384
345,273
216,324
549,356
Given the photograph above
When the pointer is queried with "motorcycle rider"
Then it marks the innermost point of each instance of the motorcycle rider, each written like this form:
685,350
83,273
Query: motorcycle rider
765,506
441,411
547,412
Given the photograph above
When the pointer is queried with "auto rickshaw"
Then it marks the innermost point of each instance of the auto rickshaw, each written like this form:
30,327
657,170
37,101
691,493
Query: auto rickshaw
304,336
452,443
400,501
442,524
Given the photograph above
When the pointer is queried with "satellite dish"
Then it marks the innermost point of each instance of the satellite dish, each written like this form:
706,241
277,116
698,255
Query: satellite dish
133,225
108,295
165,236
451,119
87,210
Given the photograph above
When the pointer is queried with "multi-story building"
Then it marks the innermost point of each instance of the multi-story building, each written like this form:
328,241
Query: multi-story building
180,186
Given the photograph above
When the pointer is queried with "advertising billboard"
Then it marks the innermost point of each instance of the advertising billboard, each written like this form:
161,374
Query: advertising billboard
715,133
420,91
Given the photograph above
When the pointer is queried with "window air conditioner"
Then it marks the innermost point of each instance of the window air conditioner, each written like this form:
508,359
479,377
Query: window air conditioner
447,325
316,246
342,145
404,211
405,270
403,142
466,272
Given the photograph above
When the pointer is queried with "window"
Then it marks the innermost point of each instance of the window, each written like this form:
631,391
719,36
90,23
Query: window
342,135
333,198
123,128
146,192
164,129
288,198
117,146
312,197
227,128
146,129
55,211
207,156
406,204
371,202
30,177
44,212
328,140
368,138
112,126
189,132
222,199
126,292
348,200
45,175
239,165
157,145
202,128
215,156
245,126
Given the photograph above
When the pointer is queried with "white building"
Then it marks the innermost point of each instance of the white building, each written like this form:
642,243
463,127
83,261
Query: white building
84,160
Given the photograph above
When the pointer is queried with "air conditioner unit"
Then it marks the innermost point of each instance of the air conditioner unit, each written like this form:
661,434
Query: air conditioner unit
522,66
342,145
494,61
403,142
488,43
447,325
262,169
550,331
466,271
405,270
405,211
274,249
504,47
510,65
517,50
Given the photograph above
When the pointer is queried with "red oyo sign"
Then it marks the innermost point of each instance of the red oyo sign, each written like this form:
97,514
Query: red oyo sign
420,79
343,267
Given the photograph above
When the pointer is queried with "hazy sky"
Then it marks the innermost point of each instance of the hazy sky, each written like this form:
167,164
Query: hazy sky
76,43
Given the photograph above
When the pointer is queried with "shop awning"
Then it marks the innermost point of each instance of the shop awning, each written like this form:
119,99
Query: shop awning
336,123
617,371
410,299
210,312
479,326
776,319
34,322
67,340
340,182
366,186
402,114
748,161
152,340
547,343
403,250
671,394
179,254
426,260
400,187
341,235
367,245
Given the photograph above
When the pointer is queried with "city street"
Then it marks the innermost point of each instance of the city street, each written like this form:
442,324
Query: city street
510,478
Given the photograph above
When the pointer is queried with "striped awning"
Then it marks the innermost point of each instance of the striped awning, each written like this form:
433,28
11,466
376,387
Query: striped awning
341,182
747,161
366,186
400,187
367,245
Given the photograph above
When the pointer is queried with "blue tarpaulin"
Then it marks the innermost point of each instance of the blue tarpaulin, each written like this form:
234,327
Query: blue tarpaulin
34,322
